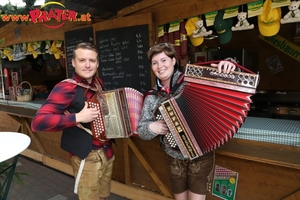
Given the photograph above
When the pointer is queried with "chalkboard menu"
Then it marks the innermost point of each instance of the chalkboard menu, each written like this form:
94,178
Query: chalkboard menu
123,57
72,38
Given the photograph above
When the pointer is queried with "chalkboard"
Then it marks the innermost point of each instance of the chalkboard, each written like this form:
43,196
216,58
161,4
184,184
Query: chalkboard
72,38
123,57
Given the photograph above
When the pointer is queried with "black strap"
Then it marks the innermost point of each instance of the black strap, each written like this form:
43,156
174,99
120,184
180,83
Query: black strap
174,88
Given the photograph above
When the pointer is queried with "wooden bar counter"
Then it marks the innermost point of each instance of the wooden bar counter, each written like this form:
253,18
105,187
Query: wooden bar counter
266,170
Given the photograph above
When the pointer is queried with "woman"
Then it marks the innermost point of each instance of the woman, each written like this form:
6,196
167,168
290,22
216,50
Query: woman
190,179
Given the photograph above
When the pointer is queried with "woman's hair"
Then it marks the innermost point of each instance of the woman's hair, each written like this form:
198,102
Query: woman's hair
167,48
85,45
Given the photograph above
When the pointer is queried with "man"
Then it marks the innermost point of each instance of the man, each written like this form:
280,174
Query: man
66,109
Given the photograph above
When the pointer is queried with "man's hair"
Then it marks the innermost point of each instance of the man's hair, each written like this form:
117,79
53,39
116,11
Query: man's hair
85,45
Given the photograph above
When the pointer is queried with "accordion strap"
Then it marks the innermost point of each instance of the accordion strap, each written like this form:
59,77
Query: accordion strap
173,89
217,61
97,90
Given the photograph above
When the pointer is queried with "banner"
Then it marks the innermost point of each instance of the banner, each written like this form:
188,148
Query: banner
283,45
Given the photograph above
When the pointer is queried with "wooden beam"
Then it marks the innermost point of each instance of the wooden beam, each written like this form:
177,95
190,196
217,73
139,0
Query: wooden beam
58,164
18,119
172,10
33,155
127,171
294,196
135,193
34,32
137,7
149,169
190,9
34,137
264,152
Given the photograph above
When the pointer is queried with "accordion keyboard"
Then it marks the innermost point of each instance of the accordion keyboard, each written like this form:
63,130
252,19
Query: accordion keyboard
98,126
170,139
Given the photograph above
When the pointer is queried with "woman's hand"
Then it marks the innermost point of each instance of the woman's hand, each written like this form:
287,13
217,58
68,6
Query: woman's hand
224,66
159,127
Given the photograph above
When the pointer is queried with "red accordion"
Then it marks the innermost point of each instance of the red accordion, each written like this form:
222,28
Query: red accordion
209,109
120,113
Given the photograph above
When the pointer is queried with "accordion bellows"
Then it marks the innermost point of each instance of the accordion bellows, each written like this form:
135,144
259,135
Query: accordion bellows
209,110
120,113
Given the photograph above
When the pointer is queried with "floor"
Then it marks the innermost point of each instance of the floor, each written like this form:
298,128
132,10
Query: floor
44,183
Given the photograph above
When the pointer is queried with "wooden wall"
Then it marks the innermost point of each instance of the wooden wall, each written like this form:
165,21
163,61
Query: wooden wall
166,11
42,77
288,79
18,33
266,171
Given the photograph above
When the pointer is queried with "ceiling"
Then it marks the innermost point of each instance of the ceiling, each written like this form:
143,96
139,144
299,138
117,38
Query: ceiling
100,9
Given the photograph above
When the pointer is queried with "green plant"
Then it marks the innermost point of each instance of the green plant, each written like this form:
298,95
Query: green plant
8,174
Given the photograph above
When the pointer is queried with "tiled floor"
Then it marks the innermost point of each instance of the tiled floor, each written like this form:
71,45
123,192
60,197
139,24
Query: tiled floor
44,183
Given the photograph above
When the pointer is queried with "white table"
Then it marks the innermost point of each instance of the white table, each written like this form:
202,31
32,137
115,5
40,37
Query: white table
11,145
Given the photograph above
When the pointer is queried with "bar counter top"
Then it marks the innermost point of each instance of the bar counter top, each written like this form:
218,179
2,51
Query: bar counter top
20,109
29,104
279,131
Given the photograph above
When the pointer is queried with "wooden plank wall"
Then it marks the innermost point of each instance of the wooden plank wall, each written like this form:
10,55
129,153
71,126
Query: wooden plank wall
166,11
286,80
34,32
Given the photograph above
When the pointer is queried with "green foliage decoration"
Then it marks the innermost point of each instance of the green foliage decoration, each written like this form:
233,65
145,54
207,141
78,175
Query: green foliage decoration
4,173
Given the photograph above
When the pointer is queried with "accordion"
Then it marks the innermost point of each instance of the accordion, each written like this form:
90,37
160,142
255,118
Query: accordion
208,110
120,111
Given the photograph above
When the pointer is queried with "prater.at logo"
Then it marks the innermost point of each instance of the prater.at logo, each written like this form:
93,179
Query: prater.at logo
48,17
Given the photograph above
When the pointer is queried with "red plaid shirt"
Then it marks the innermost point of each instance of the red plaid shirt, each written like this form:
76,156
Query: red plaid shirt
50,116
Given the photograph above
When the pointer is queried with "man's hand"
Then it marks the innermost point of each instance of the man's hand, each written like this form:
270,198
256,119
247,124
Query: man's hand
87,114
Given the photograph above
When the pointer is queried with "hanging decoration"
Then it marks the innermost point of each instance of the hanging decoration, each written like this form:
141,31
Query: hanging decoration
255,8
269,20
55,48
183,39
242,23
223,27
31,48
210,18
8,52
24,49
190,27
174,36
201,30
293,14
19,51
